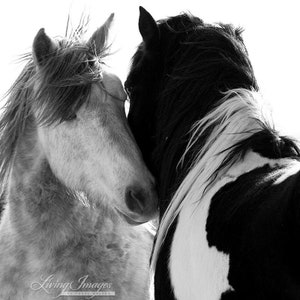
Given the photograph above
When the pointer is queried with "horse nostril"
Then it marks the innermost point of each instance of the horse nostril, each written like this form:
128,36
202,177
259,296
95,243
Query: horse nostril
136,200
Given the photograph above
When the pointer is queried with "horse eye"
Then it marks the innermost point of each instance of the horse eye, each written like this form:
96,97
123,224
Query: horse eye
71,117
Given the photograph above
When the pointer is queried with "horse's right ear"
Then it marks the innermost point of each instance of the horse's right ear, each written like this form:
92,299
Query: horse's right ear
99,38
43,47
148,28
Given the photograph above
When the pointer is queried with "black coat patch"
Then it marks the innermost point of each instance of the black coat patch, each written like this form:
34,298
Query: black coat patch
258,224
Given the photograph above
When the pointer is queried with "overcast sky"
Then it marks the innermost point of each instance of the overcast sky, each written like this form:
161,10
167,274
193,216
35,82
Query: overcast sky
271,36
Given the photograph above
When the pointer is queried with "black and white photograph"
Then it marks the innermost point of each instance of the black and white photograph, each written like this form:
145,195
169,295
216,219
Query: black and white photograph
149,150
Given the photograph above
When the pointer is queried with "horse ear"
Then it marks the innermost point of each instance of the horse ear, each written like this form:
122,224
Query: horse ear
99,38
43,47
148,28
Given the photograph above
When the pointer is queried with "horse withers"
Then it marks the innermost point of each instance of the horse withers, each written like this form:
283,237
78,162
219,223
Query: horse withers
73,179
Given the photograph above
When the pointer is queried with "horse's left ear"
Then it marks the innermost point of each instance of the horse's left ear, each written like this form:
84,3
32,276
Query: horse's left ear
148,29
43,47
99,38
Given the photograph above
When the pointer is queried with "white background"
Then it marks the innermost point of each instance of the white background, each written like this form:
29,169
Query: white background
272,36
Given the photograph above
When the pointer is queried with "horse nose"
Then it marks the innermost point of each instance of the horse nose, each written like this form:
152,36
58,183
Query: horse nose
139,202
136,200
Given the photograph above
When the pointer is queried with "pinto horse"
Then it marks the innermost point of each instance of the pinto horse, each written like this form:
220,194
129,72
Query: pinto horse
228,183
73,179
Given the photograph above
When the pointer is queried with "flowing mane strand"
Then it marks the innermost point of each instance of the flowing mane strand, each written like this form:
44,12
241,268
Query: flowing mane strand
236,119
56,90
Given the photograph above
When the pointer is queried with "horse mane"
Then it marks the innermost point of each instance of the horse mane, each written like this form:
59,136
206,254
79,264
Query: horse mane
55,91
209,60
